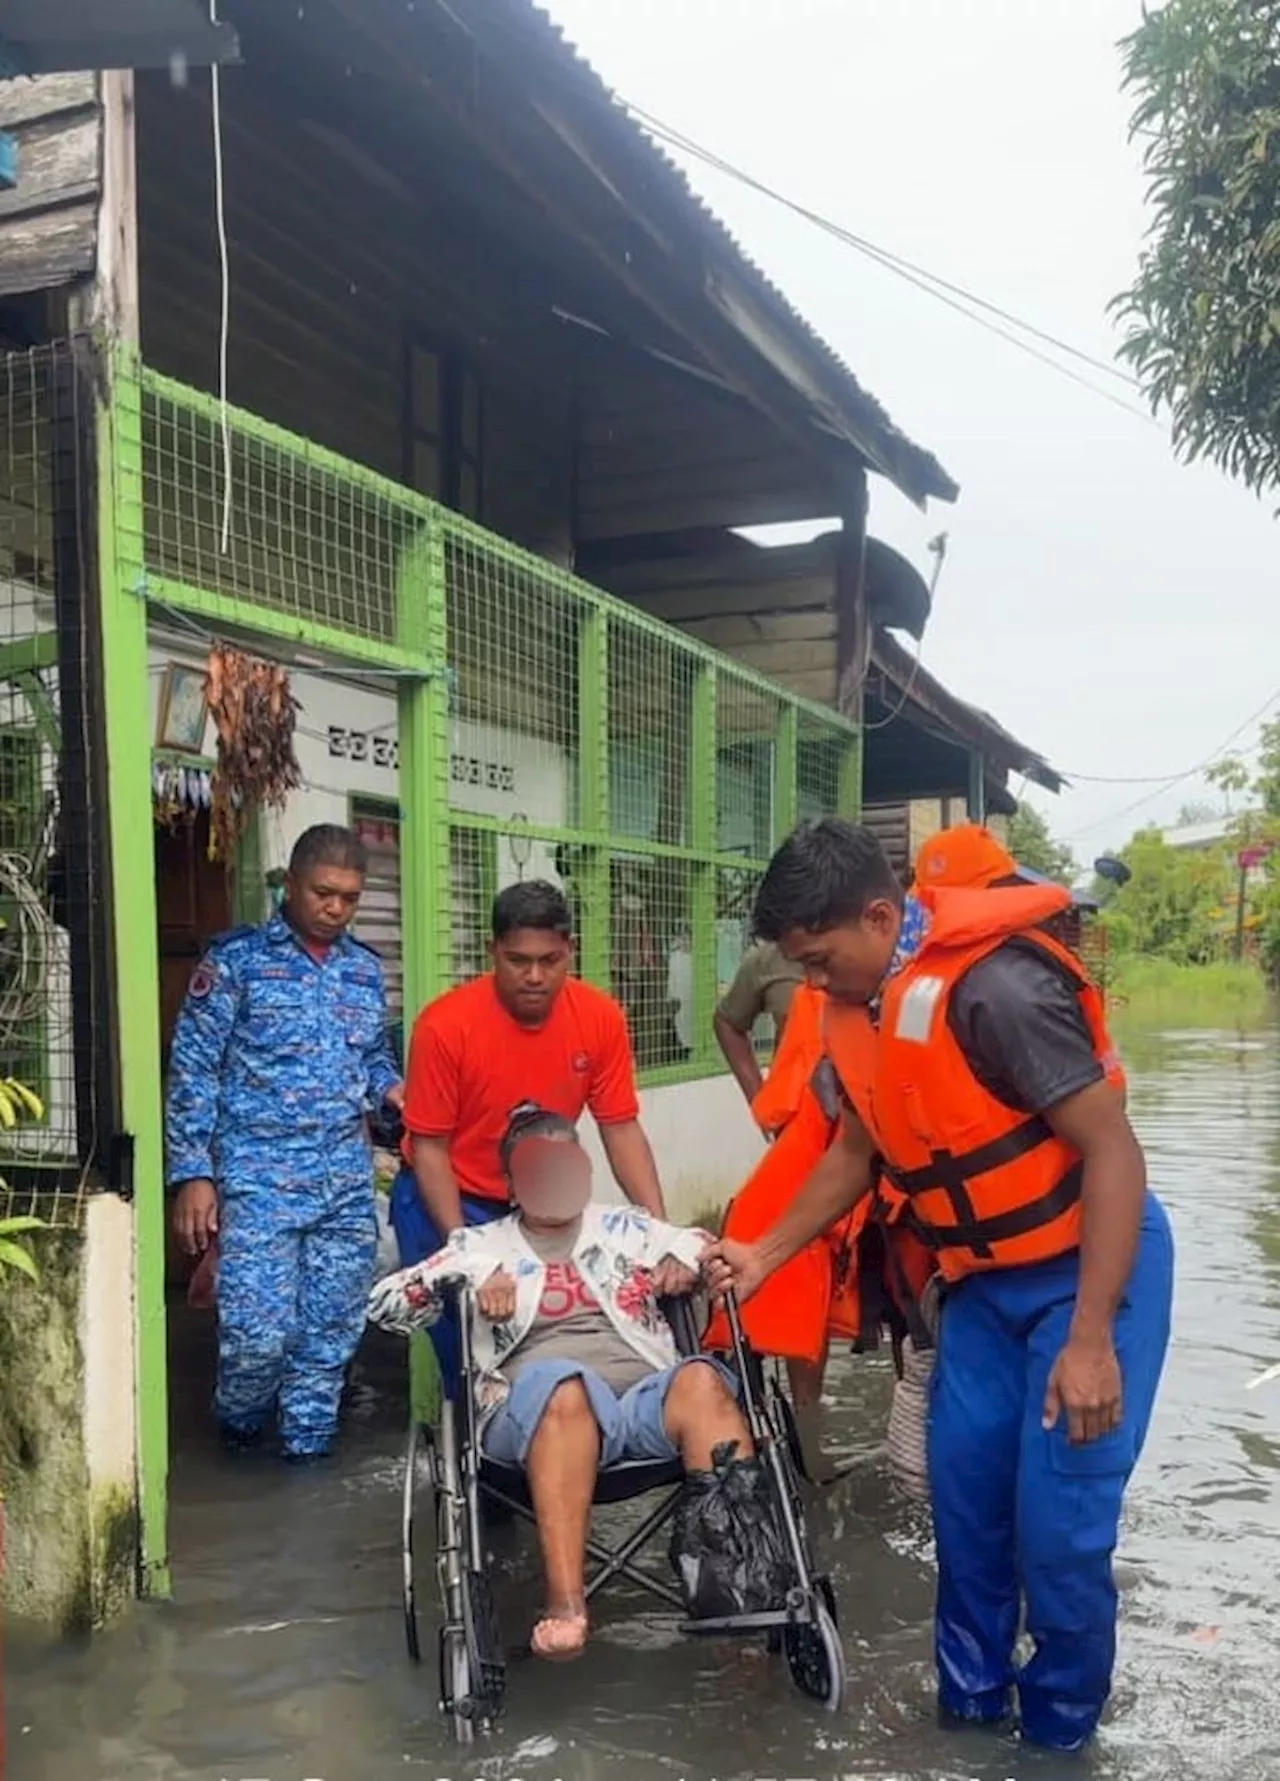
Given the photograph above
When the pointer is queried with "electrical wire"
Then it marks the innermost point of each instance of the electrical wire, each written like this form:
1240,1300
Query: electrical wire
953,296
224,275
1177,778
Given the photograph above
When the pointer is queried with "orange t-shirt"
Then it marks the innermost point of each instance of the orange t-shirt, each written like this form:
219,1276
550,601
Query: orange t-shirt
471,1064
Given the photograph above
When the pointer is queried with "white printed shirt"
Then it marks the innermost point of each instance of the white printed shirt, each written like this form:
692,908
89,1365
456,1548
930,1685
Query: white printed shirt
616,1250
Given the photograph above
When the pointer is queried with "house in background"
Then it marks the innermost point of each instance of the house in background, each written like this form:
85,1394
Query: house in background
486,356
929,760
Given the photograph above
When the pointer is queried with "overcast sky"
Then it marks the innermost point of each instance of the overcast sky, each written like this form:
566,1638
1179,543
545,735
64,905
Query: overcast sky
1115,610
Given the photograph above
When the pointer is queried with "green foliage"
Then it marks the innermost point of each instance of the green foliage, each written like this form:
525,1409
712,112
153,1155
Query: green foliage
1177,905
1147,992
1203,316
1182,904
1032,845
15,1256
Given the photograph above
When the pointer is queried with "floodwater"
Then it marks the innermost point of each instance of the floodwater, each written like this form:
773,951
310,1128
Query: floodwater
281,1656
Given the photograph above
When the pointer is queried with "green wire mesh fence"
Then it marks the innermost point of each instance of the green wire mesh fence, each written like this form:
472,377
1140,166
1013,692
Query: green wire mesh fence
583,742
52,986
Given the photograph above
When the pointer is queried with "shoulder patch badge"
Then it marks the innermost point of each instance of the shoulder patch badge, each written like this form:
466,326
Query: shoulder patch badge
203,979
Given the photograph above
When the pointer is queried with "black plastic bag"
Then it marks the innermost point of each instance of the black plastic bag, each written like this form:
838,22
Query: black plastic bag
727,1548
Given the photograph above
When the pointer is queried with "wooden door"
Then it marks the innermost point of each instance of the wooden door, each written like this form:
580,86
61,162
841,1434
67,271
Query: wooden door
193,897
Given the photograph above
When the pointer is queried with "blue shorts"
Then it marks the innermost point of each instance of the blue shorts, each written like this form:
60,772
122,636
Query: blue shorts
631,1426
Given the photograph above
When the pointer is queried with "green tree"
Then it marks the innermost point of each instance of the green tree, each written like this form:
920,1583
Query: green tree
1032,845
1260,827
1177,904
1203,315
1231,776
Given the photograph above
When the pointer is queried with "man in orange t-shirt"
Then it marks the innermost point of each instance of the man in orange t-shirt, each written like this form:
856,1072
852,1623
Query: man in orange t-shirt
527,1031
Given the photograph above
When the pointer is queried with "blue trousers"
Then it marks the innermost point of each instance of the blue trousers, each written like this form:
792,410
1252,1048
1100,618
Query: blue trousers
297,1243
418,1236
1020,1514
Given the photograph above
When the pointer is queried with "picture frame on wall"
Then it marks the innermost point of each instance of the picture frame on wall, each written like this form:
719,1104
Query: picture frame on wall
184,710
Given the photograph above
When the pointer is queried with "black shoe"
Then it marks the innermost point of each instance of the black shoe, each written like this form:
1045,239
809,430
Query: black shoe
239,1440
307,1456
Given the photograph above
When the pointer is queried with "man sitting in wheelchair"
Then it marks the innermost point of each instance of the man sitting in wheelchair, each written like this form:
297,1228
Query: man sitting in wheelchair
576,1366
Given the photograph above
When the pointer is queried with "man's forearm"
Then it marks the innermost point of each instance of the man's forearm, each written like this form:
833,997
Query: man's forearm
1113,1195
437,1187
633,1166
834,1188
740,1056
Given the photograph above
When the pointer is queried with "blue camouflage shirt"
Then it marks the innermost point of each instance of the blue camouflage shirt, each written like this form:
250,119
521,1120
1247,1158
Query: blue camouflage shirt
273,1048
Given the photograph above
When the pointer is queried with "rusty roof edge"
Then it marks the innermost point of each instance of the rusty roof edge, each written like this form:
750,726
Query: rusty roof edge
910,676
848,409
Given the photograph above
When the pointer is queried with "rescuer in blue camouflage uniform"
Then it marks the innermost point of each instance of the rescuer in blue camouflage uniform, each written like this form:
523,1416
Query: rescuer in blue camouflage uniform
279,1053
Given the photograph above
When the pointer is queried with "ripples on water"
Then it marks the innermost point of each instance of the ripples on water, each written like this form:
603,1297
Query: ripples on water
282,1656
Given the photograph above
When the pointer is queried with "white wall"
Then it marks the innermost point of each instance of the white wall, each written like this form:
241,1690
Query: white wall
108,1325
346,747
704,1140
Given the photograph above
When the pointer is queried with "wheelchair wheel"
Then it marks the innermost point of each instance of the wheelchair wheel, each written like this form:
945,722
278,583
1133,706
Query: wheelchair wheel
473,1670
419,1440
815,1656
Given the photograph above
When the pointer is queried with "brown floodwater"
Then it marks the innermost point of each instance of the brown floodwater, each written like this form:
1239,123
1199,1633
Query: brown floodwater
281,1656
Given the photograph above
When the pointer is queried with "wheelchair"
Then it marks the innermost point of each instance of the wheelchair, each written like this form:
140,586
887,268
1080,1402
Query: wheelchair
448,1460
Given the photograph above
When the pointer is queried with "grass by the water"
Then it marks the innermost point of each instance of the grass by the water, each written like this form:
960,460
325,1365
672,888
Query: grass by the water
1150,992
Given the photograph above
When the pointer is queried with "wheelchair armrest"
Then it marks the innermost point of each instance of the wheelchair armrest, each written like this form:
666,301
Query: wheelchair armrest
679,1314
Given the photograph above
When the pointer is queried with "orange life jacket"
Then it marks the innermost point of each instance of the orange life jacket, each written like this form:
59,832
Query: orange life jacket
987,1186
798,1055
790,1314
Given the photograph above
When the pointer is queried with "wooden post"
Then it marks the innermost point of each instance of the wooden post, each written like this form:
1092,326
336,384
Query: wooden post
977,799
853,624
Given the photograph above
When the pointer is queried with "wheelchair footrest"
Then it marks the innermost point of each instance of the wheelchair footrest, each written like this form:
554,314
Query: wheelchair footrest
748,1623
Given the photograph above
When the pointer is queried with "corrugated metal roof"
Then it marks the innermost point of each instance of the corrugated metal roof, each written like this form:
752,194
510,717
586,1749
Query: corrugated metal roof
848,409
998,745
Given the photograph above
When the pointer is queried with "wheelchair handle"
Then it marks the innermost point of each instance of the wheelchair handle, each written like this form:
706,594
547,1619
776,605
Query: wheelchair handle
452,1288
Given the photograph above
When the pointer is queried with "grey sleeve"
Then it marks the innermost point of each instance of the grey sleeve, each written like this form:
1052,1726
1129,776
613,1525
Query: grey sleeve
1017,1018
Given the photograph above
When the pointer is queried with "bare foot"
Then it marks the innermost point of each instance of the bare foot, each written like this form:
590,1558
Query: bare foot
560,1636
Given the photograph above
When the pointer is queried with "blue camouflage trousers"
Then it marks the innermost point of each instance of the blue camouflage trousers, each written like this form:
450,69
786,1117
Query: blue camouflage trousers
298,1241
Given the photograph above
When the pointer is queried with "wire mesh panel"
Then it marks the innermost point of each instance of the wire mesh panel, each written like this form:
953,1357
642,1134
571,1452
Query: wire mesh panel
652,956
747,718
650,706
736,888
245,512
49,988
513,650
571,738
820,754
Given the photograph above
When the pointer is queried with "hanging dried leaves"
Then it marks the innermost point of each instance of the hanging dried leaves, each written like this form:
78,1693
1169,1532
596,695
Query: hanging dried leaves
255,714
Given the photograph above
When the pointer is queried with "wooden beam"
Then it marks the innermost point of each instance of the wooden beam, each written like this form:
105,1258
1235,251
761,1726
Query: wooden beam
41,251
48,95
853,638
59,164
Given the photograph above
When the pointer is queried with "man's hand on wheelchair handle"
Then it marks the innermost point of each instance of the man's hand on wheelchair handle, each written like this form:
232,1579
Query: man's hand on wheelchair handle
728,1265
496,1299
